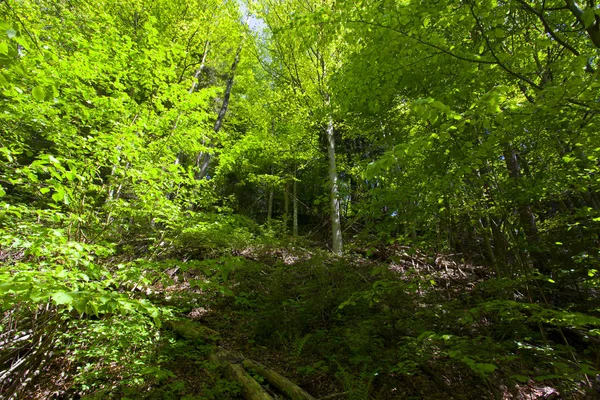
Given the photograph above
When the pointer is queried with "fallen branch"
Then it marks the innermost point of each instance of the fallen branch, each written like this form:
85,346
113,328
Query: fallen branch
234,364
251,389
280,382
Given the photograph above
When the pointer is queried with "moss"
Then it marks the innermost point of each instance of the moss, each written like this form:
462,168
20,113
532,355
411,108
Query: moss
194,332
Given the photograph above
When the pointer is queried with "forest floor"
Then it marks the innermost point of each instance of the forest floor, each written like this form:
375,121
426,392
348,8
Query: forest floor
391,323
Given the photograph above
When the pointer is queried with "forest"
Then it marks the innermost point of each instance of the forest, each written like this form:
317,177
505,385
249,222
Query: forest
300,199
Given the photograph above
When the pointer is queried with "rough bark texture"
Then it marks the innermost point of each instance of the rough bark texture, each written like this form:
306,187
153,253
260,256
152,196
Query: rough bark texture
195,332
526,215
204,158
199,71
270,206
286,207
593,30
336,227
251,390
295,207
284,385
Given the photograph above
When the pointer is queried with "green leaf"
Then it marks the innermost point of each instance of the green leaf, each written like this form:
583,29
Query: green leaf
588,17
38,93
58,195
483,368
520,378
62,298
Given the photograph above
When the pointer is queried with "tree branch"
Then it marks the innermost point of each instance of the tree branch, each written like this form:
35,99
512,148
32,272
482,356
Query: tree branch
593,30
500,64
423,42
549,30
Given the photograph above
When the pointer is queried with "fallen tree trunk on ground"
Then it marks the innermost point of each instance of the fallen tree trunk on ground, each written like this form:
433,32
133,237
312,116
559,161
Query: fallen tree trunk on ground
234,371
236,366
284,385
251,389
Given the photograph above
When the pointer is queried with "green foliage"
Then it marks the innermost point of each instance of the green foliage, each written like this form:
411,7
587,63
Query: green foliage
467,128
122,347
217,232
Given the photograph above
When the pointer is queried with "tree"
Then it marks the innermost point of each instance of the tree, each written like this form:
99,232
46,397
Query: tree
303,57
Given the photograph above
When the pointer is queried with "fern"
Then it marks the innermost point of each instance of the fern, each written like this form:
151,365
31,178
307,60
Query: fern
299,344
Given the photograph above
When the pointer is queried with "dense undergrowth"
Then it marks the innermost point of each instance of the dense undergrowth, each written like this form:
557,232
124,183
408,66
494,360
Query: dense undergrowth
378,199
392,322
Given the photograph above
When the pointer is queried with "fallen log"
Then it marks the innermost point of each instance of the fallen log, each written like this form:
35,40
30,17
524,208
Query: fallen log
233,364
284,385
197,333
251,390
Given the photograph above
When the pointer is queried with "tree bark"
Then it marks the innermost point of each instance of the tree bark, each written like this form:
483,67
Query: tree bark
251,390
295,205
525,212
336,227
204,158
234,364
281,383
200,69
270,206
593,30
483,222
286,207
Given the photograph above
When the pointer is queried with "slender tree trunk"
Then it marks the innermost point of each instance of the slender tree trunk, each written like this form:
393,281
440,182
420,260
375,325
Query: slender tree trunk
191,90
204,158
270,206
450,226
500,244
295,205
200,69
286,207
271,189
483,222
336,226
526,216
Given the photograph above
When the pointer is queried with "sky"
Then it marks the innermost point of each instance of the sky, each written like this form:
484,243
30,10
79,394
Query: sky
255,24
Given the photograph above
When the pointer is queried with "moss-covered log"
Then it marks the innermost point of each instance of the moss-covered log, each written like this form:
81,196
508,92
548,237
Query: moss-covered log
233,364
194,332
280,382
251,390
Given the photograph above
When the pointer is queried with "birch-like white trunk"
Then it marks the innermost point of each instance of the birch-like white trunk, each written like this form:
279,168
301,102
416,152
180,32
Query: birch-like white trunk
204,158
295,205
336,226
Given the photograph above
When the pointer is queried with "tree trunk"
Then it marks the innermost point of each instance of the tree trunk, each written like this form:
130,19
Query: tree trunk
526,217
483,222
500,244
281,383
286,207
251,389
204,158
525,212
199,71
336,227
295,205
235,365
270,206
